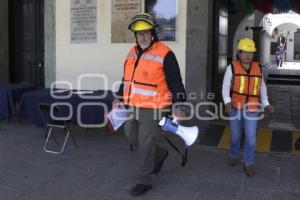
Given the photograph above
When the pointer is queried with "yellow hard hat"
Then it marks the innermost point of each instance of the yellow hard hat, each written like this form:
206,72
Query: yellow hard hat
141,26
142,22
246,44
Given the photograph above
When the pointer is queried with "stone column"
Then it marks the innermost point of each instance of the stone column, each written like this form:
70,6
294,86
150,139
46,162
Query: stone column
198,50
50,42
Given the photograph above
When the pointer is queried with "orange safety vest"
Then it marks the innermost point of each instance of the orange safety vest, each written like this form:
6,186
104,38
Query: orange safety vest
246,86
144,80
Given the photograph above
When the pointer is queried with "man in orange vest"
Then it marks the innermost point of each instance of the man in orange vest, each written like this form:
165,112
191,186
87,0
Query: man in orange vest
245,95
151,84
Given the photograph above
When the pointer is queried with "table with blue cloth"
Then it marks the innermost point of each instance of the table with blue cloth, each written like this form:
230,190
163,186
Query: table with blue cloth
92,105
10,94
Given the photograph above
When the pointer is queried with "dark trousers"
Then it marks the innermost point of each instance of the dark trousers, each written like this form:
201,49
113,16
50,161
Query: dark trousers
143,133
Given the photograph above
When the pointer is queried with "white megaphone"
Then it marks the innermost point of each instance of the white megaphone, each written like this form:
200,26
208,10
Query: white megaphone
188,134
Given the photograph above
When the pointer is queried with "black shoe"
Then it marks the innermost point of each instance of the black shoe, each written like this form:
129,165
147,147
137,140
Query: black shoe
248,169
157,166
140,189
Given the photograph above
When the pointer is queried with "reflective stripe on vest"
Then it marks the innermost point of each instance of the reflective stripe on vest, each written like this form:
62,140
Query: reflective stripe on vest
148,57
242,84
153,58
255,86
144,92
131,55
246,86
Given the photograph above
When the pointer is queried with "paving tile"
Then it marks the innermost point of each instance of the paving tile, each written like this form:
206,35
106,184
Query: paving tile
281,141
19,182
215,190
259,193
8,194
104,168
290,195
95,195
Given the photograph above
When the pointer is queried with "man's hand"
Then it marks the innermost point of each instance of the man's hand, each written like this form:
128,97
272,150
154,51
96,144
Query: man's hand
178,113
116,103
228,107
269,109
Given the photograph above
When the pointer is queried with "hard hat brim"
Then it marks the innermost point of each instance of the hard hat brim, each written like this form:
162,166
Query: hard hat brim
248,50
144,17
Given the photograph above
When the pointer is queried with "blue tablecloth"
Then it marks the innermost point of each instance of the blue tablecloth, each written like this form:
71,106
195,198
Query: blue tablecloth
90,114
10,93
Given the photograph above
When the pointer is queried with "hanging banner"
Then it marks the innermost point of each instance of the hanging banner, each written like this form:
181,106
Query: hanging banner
83,21
122,12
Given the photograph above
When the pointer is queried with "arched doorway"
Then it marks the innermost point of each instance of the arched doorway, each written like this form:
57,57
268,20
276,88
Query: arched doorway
282,93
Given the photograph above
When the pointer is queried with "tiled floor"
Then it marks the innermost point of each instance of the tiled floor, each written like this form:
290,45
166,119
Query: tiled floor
103,168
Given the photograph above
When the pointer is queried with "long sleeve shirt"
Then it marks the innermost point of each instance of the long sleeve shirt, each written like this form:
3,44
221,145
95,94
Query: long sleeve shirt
227,81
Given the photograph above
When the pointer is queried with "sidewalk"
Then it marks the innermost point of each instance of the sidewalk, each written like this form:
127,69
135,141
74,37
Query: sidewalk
103,168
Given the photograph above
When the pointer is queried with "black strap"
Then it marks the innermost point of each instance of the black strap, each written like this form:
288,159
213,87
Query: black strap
184,157
247,71
248,95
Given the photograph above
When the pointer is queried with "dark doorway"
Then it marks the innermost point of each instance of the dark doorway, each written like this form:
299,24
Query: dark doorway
26,41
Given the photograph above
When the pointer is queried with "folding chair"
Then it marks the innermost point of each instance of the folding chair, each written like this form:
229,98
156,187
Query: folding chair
45,110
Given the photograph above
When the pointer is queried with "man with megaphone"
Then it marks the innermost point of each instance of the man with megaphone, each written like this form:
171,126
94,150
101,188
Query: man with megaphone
151,83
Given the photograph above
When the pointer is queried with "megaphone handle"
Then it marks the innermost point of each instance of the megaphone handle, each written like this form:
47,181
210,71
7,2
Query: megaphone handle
175,120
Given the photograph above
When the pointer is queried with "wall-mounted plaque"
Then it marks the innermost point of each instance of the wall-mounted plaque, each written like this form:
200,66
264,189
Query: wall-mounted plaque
83,21
122,12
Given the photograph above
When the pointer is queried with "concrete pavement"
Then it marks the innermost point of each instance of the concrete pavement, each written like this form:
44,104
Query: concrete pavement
103,169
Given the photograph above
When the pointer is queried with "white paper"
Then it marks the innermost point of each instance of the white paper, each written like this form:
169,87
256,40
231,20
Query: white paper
60,91
117,116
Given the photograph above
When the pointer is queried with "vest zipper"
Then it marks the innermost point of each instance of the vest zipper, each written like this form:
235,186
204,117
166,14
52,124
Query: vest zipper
146,84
